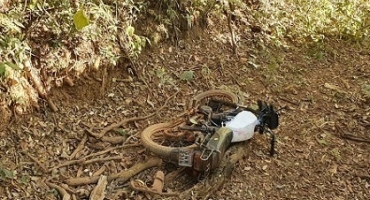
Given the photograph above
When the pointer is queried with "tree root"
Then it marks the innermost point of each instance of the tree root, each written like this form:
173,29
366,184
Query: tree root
84,161
122,176
80,146
125,121
65,195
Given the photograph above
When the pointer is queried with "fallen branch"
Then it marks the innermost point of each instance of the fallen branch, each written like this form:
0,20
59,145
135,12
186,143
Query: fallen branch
122,176
125,121
80,146
65,195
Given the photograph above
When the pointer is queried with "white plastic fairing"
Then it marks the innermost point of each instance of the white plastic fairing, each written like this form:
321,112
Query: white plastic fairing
242,125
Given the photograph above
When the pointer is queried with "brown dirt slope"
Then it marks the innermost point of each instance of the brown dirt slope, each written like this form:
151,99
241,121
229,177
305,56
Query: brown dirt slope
321,87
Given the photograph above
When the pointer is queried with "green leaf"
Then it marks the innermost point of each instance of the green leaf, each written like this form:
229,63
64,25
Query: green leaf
25,179
187,75
2,69
323,142
80,19
366,90
122,132
130,31
4,173
13,66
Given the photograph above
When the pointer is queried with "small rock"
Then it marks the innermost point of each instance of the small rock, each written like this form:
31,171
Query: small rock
247,168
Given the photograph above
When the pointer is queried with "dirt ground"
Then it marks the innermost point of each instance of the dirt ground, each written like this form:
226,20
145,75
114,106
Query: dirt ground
317,155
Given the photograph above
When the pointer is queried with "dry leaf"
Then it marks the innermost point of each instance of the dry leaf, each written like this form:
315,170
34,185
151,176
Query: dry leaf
99,191
334,169
334,87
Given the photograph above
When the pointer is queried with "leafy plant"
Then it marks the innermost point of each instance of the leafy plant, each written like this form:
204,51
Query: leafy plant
315,20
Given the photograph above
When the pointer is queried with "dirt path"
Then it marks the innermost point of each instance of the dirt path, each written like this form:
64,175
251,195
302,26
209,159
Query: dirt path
322,89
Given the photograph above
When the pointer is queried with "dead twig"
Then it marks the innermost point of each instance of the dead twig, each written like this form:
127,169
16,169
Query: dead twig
228,15
125,121
101,160
80,146
110,139
110,149
85,162
67,163
44,169
122,176
354,138
69,81
289,101
100,171
65,195
363,176
98,192
104,81
351,137
53,107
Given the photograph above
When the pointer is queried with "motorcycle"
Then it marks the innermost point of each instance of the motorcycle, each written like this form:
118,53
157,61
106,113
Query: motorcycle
200,140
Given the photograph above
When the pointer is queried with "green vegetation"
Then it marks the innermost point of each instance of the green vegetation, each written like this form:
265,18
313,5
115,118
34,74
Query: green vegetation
55,37
315,20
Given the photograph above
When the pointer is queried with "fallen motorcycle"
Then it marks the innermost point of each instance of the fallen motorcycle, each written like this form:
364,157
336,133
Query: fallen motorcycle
216,121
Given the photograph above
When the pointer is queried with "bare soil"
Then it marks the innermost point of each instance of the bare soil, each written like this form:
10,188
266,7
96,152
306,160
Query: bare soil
317,155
